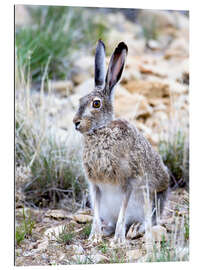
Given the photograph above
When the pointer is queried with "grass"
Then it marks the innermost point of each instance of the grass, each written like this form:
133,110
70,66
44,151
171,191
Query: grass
25,229
65,237
56,33
55,164
86,230
175,155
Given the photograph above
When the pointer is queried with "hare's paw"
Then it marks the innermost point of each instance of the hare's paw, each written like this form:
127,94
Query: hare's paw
95,237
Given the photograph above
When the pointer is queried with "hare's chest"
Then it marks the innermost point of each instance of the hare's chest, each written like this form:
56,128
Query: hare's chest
100,162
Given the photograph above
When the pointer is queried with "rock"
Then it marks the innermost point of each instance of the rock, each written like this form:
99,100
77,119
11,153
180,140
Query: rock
42,245
54,232
82,218
89,258
83,69
131,106
77,249
80,77
148,89
153,70
64,88
179,48
156,18
22,16
133,255
182,21
158,233
84,88
154,45
130,74
85,62
57,214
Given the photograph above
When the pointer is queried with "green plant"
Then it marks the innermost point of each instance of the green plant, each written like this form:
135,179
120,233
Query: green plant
86,230
117,256
54,170
65,237
25,229
103,247
175,154
55,34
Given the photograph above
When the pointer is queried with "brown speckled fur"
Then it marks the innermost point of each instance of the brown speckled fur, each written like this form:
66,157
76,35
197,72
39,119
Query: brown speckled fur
118,152
117,159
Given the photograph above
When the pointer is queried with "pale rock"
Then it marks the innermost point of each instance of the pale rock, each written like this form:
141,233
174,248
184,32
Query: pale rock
158,233
54,232
133,255
22,16
42,245
155,70
77,249
80,77
57,214
85,62
132,106
154,45
148,89
157,18
182,21
129,75
64,88
84,88
178,88
179,48
82,218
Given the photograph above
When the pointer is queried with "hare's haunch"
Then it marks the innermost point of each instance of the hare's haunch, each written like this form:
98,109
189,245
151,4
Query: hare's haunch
118,160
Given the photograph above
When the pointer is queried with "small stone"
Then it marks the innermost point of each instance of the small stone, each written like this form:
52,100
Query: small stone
158,233
54,232
133,255
57,214
76,249
62,87
82,218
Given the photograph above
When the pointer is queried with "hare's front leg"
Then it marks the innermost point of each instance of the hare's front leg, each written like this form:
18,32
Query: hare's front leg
121,222
96,233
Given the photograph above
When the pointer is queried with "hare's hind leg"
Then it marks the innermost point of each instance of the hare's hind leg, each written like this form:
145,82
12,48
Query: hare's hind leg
158,204
95,234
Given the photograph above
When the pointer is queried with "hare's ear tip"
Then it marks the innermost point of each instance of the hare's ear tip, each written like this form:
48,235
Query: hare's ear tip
122,46
100,42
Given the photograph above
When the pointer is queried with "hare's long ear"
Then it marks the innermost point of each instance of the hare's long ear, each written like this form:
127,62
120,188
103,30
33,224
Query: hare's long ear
116,66
100,66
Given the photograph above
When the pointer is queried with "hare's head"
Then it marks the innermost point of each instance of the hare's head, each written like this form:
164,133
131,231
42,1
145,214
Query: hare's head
96,108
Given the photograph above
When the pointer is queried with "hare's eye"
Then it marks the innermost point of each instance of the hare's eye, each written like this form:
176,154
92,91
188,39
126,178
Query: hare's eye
96,103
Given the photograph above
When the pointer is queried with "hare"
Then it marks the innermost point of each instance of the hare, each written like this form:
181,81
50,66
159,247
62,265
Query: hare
118,161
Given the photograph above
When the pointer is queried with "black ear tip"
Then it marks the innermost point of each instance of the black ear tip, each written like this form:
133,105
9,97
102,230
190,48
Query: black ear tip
122,46
100,43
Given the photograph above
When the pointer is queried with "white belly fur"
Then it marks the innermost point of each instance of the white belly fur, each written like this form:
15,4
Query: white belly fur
111,199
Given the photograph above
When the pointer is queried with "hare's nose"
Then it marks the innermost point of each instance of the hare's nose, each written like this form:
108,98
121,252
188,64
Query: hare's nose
76,121
77,124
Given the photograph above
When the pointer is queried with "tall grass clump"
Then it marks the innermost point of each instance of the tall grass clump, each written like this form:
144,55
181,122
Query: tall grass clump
173,246
175,154
54,163
56,33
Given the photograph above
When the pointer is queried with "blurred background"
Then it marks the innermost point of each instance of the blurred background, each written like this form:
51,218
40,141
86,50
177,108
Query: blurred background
54,67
